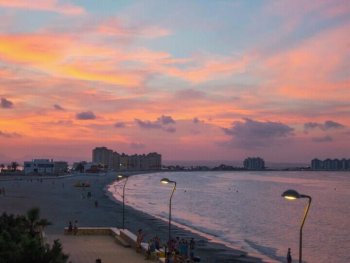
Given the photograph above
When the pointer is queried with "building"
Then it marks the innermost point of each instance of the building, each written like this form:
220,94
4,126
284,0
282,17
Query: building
254,163
154,161
60,167
123,162
45,167
330,164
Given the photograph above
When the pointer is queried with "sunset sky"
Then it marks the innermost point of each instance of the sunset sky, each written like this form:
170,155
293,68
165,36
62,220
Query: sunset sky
191,79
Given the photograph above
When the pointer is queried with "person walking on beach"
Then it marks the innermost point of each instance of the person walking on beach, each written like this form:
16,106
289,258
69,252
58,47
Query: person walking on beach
289,256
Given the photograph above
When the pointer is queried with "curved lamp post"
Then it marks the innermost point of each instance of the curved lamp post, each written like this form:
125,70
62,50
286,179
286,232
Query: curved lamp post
167,181
120,177
292,195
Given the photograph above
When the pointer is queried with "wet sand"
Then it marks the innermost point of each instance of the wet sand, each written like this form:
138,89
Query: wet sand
60,202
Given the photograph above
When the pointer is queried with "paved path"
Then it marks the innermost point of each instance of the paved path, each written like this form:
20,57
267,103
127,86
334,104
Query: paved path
86,249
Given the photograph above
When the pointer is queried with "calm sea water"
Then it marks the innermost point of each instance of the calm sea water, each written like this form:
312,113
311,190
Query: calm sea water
246,210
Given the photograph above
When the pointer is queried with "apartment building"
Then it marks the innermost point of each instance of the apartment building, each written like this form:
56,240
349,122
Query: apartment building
254,163
122,162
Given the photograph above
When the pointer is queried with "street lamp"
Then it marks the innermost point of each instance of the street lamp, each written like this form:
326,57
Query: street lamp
120,177
292,195
167,181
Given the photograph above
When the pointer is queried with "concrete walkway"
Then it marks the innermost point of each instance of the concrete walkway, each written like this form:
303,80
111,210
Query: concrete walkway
86,249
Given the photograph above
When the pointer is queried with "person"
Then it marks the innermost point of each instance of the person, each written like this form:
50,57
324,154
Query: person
70,227
75,228
151,249
139,240
157,242
289,256
192,244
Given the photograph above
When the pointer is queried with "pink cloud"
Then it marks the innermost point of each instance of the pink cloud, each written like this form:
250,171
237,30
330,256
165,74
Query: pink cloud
314,69
44,5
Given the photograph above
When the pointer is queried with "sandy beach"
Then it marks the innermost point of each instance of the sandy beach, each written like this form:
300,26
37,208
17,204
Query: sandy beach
60,201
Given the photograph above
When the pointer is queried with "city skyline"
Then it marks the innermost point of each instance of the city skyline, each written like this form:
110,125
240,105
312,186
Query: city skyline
191,80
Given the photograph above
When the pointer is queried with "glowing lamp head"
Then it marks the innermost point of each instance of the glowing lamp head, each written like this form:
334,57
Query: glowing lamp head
291,194
165,181
120,176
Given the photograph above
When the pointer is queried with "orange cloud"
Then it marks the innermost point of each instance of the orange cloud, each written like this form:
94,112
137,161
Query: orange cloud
53,54
44,5
69,56
205,69
118,77
33,48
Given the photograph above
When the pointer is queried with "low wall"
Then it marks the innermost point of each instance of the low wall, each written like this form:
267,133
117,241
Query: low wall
122,236
89,231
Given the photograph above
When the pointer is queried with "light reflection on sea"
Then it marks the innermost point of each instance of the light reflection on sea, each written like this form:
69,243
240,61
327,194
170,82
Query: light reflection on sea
246,210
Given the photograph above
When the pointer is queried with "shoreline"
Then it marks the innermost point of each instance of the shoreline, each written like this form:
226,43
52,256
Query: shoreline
60,202
207,239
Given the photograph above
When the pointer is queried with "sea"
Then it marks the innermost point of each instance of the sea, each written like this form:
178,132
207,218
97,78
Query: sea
245,210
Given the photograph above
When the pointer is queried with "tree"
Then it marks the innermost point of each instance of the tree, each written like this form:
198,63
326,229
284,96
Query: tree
80,167
35,224
2,166
19,244
14,166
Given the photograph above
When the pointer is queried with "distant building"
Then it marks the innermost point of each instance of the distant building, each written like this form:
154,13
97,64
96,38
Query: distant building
254,163
122,162
45,167
60,167
330,164
103,156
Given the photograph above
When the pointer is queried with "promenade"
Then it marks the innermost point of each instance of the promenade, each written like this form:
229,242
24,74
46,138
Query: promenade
86,249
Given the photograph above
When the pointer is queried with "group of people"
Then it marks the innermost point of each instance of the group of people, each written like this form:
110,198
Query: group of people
153,245
181,248
178,250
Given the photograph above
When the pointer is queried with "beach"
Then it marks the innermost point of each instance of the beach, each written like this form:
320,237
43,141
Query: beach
61,201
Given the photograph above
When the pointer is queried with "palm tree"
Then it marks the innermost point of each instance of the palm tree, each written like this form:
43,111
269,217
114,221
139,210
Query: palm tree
35,224
2,166
14,166
80,167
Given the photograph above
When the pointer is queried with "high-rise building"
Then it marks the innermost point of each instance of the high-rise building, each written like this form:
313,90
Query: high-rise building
254,163
102,155
113,160
330,164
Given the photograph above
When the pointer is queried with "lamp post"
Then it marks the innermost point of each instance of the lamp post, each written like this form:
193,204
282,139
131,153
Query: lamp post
120,177
292,195
167,181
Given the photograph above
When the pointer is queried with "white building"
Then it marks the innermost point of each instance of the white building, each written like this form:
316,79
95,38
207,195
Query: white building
45,167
